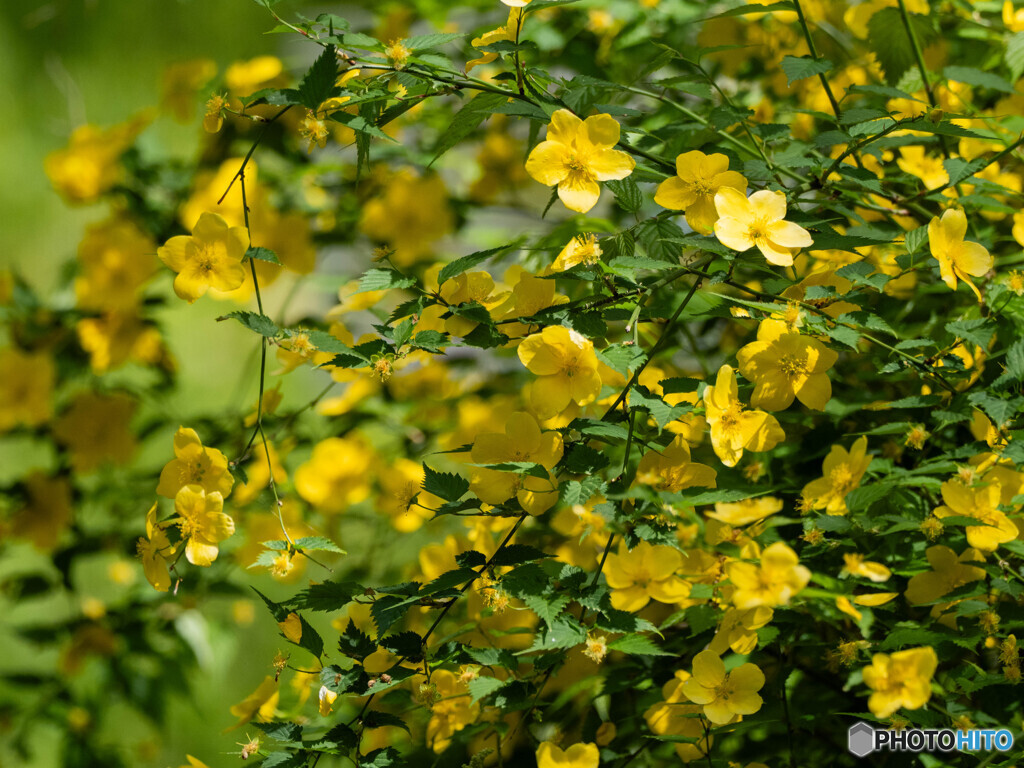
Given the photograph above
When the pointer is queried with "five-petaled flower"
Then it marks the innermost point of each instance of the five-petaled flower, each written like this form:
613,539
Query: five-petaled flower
785,364
202,520
733,429
759,221
210,258
724,695
692,190
576,155
982,503
576,756
775,581
900,680
958,258
566,366
841,473
194,464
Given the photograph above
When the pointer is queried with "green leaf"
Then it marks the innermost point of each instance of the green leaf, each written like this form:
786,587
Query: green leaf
423,42
627,194
916,238
317,84
254,321
637,645
958,169
481,687
844,335
514,554
354,643
377,719
262,254
464,263
446,485
388,757
384,279
547,607
1015,360
743,10
863,273
431,341
318,543
889,42
797,68
977,78
467,120
976,330
289,733
284,760
1015,55
661,412
328,596
623,358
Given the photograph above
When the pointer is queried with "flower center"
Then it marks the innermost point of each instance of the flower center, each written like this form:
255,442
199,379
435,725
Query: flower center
757,231
841,478
793,366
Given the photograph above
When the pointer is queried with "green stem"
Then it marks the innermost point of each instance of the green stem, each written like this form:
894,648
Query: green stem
814,55
917,52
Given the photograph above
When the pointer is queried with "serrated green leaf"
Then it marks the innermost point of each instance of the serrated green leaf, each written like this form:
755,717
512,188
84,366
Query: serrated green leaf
637,645
318,543
384,279
977,78
262,254
446,485
889,42
800,67
464,263
254,321
317,84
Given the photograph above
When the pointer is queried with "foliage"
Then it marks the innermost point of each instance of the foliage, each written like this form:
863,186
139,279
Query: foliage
713,439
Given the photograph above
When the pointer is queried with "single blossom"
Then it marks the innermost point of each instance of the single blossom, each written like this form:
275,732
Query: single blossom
698,179
758,221
958,258
576,155
210,258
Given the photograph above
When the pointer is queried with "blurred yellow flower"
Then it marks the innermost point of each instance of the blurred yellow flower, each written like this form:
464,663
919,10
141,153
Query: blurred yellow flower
576,756
900,680
671,469
26,386
775,581
646,572
336,476
96,430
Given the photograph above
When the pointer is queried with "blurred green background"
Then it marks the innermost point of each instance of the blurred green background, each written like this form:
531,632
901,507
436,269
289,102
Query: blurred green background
65,63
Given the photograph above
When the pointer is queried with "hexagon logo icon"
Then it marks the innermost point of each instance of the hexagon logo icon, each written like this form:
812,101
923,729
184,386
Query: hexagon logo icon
861,739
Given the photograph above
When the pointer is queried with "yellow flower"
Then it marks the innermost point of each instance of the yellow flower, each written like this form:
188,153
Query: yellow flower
26,386
194,464
213,118
314,129
291,627
47,514
856,565
777,579
957,257
674,716
154,549
929,170
582,249
724,696
203,522
522,441
246,77
733,429
784,365
452,710
336,475
119,336
88,166
398,488
95,429
698,179
647,571
576,155
738,630
758,221
327,698
841,473
505,33
948,573
115,260
900,680
671,470
410,215
260,704
516,3
1013,19
981,503
210,258
576,756
747,511
181,81
566,366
